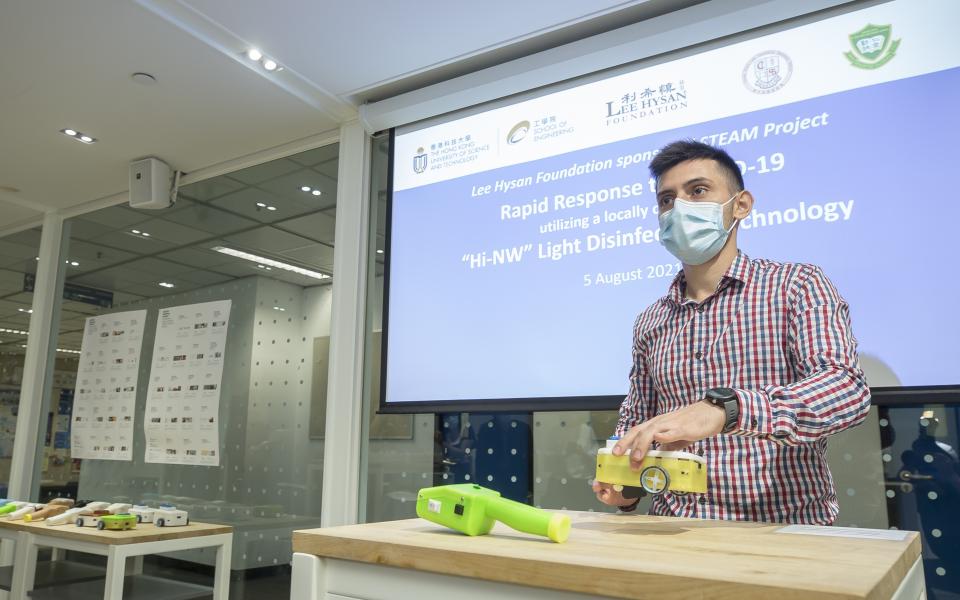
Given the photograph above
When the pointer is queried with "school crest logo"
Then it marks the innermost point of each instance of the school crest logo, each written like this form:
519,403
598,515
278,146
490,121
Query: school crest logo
767,72
420,161
873,47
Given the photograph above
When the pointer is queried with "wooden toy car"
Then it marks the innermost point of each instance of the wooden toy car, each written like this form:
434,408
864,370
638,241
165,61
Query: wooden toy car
144,514
170,517
118,522
661,471
92,519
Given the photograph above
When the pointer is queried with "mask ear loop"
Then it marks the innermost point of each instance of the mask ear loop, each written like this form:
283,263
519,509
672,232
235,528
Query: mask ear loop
735,220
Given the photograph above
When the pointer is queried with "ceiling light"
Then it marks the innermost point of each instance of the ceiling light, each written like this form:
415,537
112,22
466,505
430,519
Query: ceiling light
304,188
279,308
317,192
82,137
264,267
26,310
254,54
261,205
165,284
269,261
145,234
136,231
73,263
271,208
270,65
379,251
15,331
68,351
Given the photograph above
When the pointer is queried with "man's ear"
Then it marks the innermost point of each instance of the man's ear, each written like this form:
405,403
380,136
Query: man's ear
742,205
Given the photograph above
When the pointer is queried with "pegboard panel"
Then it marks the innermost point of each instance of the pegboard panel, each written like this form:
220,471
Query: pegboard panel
269,480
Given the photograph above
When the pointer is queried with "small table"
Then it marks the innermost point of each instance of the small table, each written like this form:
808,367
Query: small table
607,555
117,546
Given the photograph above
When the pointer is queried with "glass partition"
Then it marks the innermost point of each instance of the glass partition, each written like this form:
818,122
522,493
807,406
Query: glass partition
263,239
18,265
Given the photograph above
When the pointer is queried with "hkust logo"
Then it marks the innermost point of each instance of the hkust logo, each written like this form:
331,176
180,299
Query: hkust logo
420,161
518,132
873,46
767,72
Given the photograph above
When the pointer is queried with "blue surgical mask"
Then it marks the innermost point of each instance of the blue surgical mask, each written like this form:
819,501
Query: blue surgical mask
694,231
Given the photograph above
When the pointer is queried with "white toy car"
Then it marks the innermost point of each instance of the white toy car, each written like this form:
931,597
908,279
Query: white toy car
118,507
170,517
144,514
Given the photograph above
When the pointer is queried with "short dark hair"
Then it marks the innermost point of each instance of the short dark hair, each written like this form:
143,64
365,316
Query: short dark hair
681,151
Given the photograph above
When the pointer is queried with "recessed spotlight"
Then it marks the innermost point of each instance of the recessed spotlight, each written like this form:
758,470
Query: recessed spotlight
29,311
145,234
136,231
81,137
304,188
270,65
264,267
143,78
316,192
379,251
261,205
271,208
73,263
281,309
254,54
165,284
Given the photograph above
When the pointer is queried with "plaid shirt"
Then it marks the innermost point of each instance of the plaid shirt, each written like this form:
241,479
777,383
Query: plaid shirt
778,334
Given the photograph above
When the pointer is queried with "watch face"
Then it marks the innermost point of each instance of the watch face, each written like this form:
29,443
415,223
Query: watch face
721,394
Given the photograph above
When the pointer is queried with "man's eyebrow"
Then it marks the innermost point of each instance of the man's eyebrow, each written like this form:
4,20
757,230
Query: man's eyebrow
687,184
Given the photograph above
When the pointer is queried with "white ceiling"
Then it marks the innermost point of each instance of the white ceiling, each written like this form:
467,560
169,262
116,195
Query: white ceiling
68,64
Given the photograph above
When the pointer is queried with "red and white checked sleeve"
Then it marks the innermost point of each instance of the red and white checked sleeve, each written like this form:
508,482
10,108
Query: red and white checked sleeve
830,393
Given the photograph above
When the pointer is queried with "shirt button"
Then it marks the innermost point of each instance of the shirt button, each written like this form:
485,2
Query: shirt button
699,355
703,500
700,451
754,422
699,309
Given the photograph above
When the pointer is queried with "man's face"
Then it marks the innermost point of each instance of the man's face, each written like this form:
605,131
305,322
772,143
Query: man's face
699,180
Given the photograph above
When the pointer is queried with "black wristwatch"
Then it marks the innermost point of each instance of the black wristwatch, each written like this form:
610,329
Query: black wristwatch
726,399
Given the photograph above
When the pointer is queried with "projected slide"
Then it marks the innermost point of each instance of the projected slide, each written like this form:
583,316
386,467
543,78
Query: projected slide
524,240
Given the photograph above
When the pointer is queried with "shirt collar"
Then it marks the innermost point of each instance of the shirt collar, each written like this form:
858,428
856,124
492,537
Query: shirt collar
741,269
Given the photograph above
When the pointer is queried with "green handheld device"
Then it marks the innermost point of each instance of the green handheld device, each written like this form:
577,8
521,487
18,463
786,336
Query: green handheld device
472,510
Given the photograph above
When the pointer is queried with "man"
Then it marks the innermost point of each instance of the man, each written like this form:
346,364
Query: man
749,363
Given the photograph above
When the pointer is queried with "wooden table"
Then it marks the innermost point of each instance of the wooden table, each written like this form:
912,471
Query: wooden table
117,546
607,555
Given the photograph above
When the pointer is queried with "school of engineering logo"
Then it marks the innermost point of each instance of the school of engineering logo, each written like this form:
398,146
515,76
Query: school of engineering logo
767,72
873,46
420,161
518,132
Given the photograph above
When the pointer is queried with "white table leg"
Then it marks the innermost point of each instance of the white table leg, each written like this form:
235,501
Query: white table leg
116,562
305,583
221,573
56,554
135,565
24,566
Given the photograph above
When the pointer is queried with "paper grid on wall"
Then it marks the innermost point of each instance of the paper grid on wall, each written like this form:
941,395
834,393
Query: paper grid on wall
182,418
106,388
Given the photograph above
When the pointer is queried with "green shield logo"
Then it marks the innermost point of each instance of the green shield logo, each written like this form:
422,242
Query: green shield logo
873,46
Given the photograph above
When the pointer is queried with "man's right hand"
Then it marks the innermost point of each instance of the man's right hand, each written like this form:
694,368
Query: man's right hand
606,494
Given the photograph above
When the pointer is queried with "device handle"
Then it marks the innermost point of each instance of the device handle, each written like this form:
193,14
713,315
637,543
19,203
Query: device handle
529,519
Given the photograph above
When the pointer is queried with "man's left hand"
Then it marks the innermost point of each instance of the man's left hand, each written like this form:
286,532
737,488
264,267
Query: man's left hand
673,431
